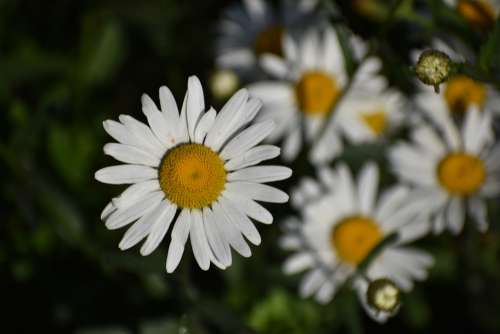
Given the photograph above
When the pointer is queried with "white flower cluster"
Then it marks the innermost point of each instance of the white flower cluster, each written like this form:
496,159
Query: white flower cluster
198,171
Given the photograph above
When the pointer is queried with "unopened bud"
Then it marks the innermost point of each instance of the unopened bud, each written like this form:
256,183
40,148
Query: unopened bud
433,68
383,295
224,83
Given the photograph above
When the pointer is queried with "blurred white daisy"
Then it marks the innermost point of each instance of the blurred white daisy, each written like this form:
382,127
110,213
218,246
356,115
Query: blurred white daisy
452,172
459,92
308,82
366,116
341,227
479,13
199,164
253,27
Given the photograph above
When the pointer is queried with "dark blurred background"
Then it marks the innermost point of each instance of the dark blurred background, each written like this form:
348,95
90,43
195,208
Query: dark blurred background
67,65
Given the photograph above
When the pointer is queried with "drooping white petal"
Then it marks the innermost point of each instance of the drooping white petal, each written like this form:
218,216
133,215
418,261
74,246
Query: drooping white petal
134,192
159,228
140,229
216,240
231,234
455,215
126,216
199,242
179,236
251,208
240,220
478,211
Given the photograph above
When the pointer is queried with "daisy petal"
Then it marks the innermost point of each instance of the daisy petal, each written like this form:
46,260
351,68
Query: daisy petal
258,192
252,157
260,174
231,234
179,236
223,125
206,122
219,245
455,215
241,221
130,154
157,122
251,208
159,227
367,188
125,174
124,217
247,139
195,104
199,242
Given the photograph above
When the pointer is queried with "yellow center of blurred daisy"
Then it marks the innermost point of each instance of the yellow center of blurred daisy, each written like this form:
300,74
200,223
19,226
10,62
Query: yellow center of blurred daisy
461,173
192,176
479,13
354,237
316,93
269,41
376,121
461,92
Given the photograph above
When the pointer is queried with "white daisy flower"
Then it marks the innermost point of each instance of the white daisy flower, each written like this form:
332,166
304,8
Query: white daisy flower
309,81
366,116
479,13
339,230
459,92
253,28
453,173
199,164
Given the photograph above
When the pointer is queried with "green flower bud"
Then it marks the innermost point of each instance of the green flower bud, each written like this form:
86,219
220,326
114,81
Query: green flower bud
383,295
433,68
224,83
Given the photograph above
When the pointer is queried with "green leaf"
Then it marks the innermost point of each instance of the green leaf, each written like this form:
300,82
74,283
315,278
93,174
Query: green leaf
102,51
70,151
489,54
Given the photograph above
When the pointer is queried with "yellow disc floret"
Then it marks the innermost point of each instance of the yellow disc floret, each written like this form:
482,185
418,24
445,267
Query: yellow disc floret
461,173
192,176
478,13
354,237
269,41
462,92
316,93
376,121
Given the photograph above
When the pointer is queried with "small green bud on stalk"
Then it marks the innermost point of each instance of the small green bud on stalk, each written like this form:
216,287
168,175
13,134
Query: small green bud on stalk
383,295
433,68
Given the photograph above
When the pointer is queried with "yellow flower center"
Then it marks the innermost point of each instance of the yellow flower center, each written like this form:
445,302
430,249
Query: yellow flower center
192,176
316,93
269,41
478,13
461,173
376,121
461,92
354,237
